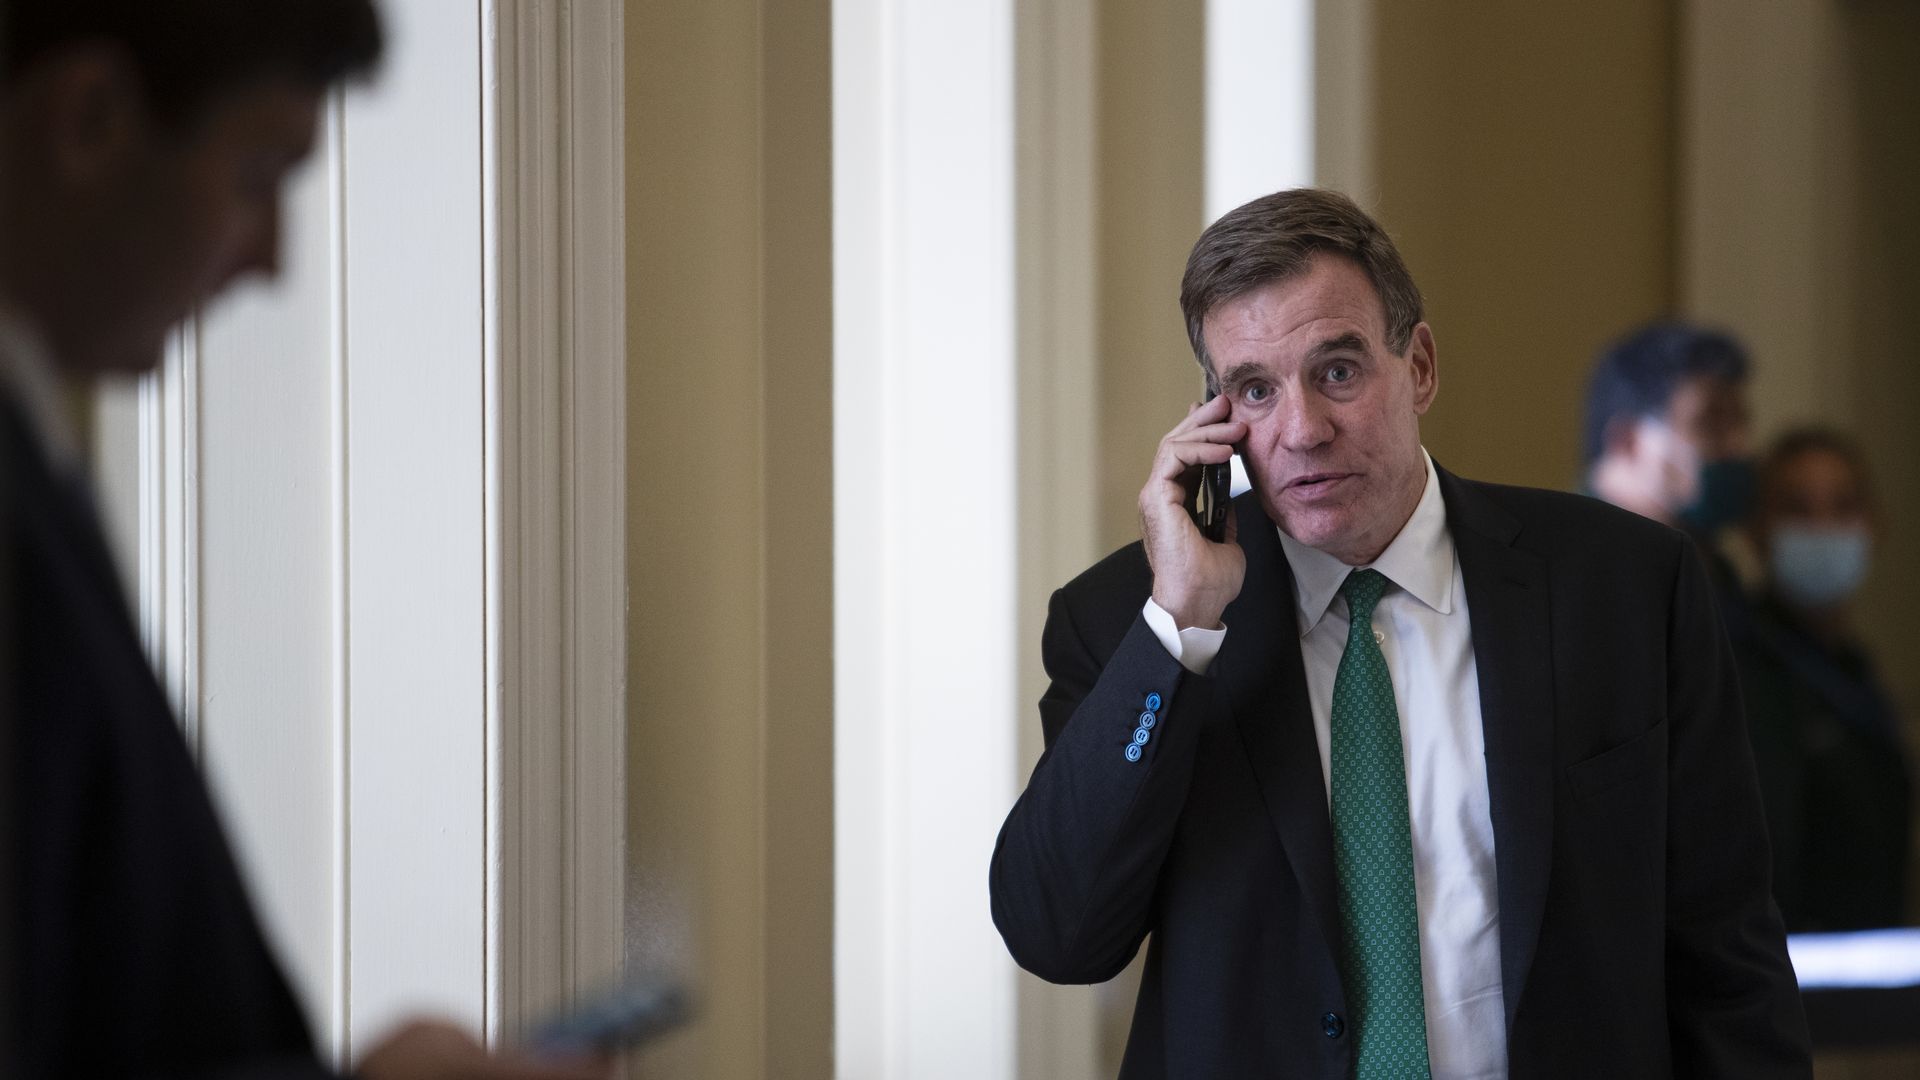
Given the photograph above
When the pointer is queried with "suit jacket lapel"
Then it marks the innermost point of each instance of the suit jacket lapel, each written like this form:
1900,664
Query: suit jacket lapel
1263,679
1507,601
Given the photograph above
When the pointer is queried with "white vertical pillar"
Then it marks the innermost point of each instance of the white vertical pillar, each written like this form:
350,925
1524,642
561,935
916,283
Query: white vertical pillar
1260,107
416,558
1260,75
268,537
924,521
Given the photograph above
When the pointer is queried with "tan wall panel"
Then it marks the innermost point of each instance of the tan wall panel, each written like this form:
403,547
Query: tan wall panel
1881,39
1802,235
1058,463
730,397
797,359
696,697
1152,198
1523,162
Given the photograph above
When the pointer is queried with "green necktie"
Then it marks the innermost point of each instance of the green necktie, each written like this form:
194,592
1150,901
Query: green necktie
1373,854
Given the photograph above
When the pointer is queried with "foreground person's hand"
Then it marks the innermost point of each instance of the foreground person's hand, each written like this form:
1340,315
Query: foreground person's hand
435,1050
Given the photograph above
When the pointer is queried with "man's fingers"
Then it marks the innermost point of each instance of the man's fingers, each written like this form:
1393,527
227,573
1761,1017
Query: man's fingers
1178,455
1224,431
1199,414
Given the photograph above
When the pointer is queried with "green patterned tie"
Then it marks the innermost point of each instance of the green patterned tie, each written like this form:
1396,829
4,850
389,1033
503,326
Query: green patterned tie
1373,854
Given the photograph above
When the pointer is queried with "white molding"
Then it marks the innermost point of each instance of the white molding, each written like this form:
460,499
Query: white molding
340,613
557,450
167,592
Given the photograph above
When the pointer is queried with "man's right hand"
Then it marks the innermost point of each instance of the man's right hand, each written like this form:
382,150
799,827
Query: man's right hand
1193,579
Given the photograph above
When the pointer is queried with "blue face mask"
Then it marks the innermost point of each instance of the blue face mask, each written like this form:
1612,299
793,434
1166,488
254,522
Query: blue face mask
1726,495
1816,567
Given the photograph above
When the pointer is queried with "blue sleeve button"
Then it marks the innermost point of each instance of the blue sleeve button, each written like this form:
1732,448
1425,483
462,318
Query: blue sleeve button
1147,719
1153,702
1140,736
1133,751
1332,1025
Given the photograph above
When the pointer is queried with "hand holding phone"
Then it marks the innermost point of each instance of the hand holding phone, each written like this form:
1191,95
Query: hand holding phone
1212,496
1186,518
620,1019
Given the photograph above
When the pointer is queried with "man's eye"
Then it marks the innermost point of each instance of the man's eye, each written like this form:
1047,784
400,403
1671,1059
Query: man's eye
1256,393
1340,373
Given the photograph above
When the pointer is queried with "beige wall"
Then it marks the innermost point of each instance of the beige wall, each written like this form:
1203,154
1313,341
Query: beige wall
1803,235
1522,157
730,679
1882,38
1151,198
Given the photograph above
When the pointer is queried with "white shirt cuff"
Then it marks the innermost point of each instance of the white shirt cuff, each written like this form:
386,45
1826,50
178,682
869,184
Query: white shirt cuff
1194,647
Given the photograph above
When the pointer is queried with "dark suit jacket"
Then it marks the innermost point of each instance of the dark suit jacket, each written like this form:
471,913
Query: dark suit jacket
134,950
1637,936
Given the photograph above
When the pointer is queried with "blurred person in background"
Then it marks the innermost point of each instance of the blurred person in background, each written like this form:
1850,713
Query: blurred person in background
1666,433
143,148
1833,770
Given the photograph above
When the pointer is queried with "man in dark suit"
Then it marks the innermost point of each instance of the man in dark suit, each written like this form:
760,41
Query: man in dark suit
1368,833
143,145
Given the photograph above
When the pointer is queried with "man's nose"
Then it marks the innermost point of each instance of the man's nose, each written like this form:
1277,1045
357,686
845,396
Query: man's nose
1304,423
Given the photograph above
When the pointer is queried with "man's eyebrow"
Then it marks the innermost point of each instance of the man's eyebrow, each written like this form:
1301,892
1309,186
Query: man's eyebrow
1347,342
1240,373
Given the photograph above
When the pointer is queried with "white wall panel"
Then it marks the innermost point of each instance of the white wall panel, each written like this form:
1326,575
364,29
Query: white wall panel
267,530
1260,80
416,524
925,500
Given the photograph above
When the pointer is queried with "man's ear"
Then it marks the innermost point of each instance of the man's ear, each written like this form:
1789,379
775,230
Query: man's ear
1426,368
92,109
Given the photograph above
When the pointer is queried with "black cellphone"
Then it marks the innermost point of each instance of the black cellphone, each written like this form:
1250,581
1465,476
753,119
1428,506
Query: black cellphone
1214,494
633,1013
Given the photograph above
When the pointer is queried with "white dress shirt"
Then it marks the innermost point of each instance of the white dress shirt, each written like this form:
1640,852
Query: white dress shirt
1424,632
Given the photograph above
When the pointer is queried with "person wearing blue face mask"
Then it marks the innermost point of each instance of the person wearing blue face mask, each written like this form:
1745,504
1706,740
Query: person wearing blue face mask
1833,769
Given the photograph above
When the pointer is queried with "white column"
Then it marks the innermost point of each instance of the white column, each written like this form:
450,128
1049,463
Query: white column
1260,108
924,523
1260,78
416,513
269,522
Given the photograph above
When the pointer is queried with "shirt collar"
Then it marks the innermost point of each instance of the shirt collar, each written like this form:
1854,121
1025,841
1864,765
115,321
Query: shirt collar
28,376
1419,560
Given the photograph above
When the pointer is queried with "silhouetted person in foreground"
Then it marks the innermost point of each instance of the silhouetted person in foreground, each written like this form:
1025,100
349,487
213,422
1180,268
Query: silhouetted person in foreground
143,146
